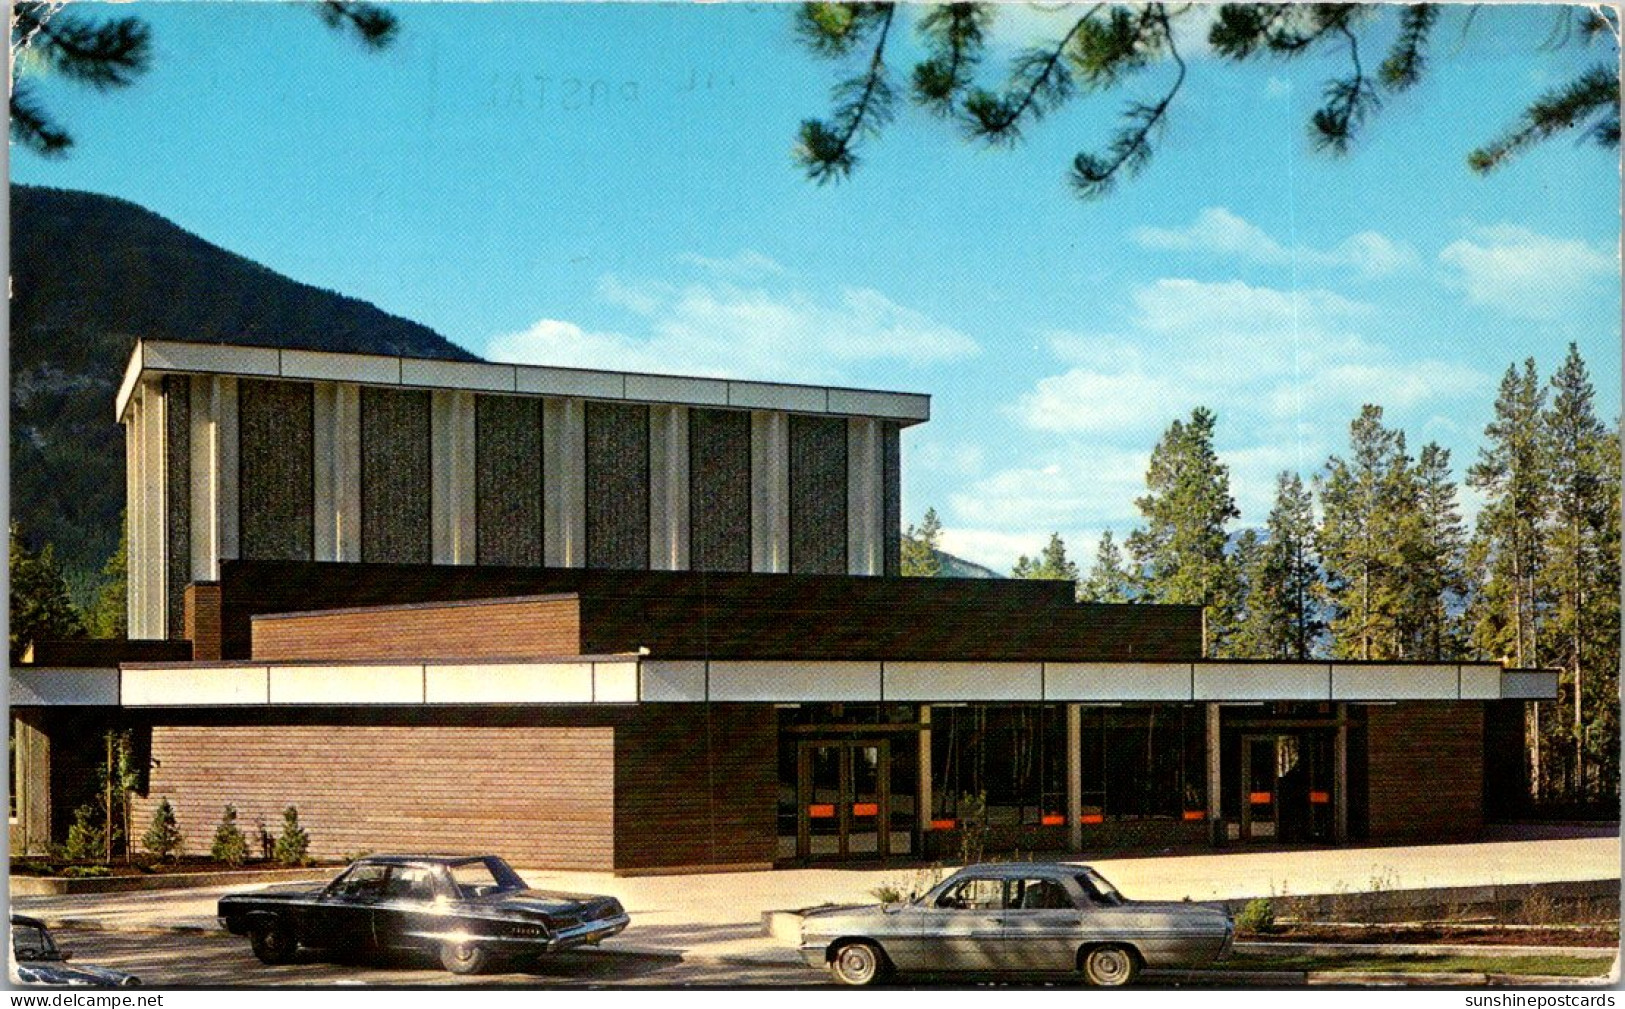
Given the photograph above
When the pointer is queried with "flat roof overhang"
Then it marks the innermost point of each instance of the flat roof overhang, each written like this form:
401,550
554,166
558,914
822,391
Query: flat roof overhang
629,679
174,357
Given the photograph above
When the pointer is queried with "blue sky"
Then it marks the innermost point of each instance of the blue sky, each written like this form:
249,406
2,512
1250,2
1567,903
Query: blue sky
611,185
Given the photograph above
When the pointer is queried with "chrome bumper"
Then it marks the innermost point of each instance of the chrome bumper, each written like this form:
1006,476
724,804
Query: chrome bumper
588,933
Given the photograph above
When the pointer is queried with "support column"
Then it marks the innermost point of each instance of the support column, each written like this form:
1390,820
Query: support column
31,768
1074,777
146,513
668,488
132,514
214,474
1340,776
925,799
1215,794
337,439
769,491
564,483
865,498
451,460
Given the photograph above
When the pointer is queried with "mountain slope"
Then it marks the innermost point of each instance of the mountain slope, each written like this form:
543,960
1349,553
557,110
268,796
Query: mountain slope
91,274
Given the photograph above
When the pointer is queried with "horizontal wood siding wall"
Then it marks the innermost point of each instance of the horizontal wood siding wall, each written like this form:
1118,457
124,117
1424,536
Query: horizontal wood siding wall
528,627
1425,768
696,785
540,796
715,615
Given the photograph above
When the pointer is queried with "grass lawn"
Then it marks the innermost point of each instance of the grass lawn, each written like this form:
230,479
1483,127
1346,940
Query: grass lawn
1551,966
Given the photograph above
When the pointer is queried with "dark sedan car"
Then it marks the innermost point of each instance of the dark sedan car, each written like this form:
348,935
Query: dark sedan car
37,960
1027,917
471,909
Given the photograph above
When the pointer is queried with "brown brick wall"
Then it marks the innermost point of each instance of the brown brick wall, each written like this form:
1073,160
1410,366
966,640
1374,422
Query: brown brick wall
488,629
696,785
1425,768
203,620
539,796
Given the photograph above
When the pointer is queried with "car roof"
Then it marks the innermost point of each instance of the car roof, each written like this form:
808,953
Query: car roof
27,922
1025,869
419,859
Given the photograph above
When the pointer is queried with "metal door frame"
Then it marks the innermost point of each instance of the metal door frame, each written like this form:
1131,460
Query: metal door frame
1246,782
846,796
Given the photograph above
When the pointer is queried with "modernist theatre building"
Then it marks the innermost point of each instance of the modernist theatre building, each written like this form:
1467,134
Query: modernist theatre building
599,620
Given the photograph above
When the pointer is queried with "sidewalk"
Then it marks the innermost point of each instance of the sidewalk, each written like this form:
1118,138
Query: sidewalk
719,916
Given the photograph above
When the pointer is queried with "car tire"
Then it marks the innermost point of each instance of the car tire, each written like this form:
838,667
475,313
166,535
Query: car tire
273,942
857,963
464,958
1109,966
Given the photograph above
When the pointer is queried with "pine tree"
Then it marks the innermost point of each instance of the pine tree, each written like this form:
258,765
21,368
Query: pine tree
1513,475
230,846
1365,501
1436,549
108,616
163,839
1281,579
1109,581
1579,576
1051,563
40,607
1181,549
920,547
293,845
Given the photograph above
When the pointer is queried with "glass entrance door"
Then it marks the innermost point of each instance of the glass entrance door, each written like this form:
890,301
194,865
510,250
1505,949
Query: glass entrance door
1286,786
844,799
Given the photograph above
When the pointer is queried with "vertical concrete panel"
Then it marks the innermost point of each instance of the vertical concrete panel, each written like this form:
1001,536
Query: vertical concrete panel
668,488
769,491
719,462
177,501
617,460
508,480
864,512
134,555
153,539
337,482
564,488
452,502
214,471
818,502
892,498
276,469
31,833
395,476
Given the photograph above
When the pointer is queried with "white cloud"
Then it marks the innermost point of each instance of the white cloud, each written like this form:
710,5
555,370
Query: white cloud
748,264
1218,231
1082,400
1525,274
770,330
1091,485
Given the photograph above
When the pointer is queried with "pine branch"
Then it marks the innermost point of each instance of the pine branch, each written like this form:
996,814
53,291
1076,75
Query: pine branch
1039,80
863,105
1407,59
1348,100
102,54
32,126
373,25
1093,175
1594,92
957,33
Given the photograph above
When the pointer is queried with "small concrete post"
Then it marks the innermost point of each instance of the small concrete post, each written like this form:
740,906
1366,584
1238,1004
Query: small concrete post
1074,777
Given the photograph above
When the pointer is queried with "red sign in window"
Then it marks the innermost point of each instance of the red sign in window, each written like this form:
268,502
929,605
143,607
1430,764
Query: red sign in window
1320,798
1260,798
821,811
865,809
944,824
1092,818
1195,814
1053,820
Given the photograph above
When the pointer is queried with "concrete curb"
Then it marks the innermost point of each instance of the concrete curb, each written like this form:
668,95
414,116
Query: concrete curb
1419,949
58,886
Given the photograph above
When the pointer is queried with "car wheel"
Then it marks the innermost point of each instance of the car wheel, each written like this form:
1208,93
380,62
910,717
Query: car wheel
1110,966
273,942
464,958
857,964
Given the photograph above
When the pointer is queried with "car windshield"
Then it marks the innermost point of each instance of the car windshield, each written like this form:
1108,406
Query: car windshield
1095,885
483,876
30,942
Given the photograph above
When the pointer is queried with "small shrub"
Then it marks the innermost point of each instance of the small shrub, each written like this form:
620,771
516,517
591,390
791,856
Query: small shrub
293,846
86,871
85,840
1257,917
230,846
887,894
163,840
